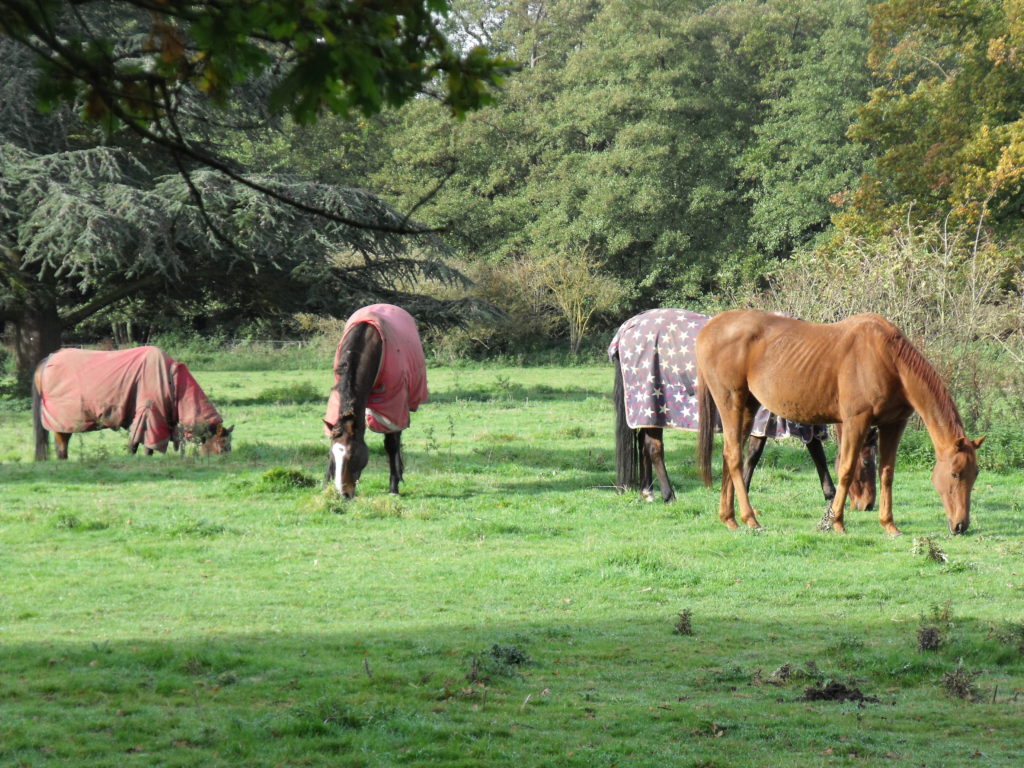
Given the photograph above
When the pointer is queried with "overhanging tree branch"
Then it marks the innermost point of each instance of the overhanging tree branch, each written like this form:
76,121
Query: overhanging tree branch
72,317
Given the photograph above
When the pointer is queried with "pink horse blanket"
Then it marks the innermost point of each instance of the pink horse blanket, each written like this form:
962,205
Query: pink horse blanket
657,354
401,383
142,390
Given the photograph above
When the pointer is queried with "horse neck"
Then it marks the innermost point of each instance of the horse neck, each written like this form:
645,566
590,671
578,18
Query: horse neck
358,366
928,395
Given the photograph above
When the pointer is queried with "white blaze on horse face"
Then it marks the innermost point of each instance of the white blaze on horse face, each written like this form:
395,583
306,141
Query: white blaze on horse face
339,453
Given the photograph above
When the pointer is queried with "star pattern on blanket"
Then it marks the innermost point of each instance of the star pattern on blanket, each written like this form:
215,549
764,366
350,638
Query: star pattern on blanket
657,353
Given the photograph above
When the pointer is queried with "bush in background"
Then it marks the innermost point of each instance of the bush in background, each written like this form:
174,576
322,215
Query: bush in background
955,294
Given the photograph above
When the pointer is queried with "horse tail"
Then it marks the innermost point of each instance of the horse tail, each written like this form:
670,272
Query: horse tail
42,437
627,442
707,417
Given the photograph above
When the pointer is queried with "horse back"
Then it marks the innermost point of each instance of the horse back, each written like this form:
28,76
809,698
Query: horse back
809,372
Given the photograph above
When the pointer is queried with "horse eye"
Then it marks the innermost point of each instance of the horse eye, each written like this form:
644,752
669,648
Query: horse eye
956,475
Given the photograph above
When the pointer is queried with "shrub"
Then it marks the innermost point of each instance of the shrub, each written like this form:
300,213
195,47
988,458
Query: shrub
955,294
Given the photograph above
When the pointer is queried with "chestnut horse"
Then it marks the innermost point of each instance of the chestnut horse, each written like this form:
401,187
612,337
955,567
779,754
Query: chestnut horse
656,348
380,376
860,372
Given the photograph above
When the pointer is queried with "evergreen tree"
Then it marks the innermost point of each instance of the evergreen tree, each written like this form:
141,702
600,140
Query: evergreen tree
90,219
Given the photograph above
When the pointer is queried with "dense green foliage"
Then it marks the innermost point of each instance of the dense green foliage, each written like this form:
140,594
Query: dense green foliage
509,609
704,154
945,123
153,211
677,140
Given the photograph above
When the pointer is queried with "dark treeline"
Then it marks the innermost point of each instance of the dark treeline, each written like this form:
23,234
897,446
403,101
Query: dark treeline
645,152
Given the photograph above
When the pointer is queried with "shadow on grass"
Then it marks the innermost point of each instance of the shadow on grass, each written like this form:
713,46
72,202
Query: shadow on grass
439,694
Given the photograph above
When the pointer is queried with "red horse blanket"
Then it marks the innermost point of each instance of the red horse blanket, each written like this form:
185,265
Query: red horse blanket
142,390
401,383
657,354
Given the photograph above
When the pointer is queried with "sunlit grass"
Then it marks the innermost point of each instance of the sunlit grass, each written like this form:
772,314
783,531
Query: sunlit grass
222,611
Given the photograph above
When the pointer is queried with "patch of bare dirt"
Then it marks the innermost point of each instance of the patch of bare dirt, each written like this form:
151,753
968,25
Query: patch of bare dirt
836,691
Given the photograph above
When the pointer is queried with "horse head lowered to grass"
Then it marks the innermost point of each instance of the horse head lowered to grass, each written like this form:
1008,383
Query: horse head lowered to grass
380,376
860,372
141,389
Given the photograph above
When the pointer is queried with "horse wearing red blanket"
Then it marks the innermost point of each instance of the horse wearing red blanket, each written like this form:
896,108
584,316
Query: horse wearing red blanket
380,377
142,390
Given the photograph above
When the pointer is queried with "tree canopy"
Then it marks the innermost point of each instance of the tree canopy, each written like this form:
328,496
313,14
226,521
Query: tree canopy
687,147
674,140
125,178
945,123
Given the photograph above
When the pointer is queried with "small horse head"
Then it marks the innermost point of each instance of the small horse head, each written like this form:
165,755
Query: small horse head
865,473
956,469
217,441
348,456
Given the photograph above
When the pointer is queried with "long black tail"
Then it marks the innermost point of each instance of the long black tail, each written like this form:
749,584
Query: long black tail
41,435
627,442
708,417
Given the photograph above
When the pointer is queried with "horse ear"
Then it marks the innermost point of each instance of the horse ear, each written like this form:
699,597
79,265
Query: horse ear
328,424
229,430
977,443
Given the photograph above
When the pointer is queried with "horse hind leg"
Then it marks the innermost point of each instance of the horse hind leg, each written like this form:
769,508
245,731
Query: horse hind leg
817,453
646,465
60,443
396,467
755,447
736,425
654,448
735,430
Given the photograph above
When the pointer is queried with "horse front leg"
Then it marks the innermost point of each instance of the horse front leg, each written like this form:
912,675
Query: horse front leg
393,446
60,442
888,441
853,435
654,448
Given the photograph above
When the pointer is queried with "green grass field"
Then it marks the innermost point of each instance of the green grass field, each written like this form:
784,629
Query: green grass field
510,609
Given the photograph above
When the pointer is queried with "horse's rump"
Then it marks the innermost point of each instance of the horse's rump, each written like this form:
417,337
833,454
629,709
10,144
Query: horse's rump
135,389
657,355
401,383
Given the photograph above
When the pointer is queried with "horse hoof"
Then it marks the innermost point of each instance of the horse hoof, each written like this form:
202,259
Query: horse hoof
894,531
838,527
732,525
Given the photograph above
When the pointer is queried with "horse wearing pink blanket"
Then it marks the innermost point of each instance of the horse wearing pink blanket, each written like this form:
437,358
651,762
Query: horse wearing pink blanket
380,377
142,390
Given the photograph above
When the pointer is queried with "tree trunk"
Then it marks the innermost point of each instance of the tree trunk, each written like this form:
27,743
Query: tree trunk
37,333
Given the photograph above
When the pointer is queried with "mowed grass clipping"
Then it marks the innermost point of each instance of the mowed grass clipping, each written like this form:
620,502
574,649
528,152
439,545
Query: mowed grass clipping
509,609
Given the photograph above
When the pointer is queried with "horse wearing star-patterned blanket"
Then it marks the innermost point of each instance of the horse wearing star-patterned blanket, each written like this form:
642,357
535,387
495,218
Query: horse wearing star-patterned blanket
655,387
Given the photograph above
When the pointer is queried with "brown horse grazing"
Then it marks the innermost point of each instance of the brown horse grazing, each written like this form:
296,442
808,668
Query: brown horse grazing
859,372
141,389
654,359
379,377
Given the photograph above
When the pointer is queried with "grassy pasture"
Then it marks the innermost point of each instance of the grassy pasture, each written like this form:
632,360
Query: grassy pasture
508,609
